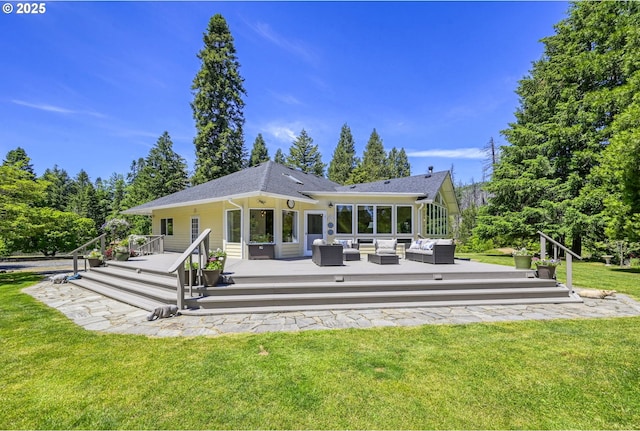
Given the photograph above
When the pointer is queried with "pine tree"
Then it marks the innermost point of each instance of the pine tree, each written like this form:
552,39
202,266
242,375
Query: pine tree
19,159
343,161
259,152
59,188
279,157
373,166
218,106
567,106
83,200
398,164
161,173
305,156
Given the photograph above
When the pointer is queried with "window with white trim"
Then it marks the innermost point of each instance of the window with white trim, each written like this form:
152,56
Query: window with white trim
289,226
166,226
234,226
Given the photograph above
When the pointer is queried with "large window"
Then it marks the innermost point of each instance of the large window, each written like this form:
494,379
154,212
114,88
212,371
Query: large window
289,226
435,220
404,220
261,225
365,219
383,219
234,225
374,219
344,217
166,226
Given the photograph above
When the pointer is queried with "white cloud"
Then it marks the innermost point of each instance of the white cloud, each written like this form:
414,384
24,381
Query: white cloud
57,109
281,133
286,98
295,47
460,153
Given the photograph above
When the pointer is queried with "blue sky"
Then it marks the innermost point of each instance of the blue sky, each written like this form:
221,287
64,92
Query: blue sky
92,85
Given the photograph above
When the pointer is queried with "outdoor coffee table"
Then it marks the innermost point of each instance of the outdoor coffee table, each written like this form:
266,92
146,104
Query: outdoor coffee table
383,259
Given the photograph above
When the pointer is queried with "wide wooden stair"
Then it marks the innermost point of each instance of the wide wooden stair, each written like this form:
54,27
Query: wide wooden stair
147,289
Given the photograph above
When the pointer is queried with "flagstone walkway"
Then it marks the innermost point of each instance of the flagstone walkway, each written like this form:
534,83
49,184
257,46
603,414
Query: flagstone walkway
98,313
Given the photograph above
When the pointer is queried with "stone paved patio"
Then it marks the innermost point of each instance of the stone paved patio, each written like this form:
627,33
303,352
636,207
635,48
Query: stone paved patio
98,313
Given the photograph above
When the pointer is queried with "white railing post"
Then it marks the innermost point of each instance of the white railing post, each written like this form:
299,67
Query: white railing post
543,247
570,271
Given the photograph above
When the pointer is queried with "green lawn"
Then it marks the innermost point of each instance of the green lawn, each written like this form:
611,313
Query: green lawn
565,374
592,275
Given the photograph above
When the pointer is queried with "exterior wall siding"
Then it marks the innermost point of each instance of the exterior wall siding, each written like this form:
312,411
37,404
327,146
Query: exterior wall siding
214,217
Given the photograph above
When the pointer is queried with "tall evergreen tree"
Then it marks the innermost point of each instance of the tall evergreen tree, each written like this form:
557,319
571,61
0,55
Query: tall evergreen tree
83,200
567,106
161,173
279,157
373,166
398,163
19,159
259,152
305,156
59,188
218,106
344,160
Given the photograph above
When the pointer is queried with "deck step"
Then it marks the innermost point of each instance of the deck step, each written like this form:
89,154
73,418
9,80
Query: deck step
426,304
370,286
142,302
324,289
373,297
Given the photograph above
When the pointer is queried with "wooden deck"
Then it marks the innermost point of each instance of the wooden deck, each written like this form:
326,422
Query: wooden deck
299,284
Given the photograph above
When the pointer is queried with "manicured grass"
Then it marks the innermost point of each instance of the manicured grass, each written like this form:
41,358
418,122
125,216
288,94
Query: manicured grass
565,374
592,275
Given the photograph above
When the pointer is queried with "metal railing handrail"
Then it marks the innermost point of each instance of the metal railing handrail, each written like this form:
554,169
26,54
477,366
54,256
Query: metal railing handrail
154,242
557,244
202,245
88,243
83,247
568,253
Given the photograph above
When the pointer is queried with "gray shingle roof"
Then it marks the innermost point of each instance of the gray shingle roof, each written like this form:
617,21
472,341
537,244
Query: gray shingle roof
425,185
267,178
275,179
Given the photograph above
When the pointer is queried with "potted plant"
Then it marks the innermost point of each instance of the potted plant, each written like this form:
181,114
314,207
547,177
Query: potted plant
95,258
522,258
546,267
122,250
212,270
220,255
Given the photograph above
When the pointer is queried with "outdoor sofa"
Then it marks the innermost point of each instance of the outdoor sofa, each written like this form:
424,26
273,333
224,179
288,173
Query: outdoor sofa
434,251
323,254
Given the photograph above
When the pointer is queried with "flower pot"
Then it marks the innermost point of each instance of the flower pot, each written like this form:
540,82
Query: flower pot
211,276
122,256
547,272
522,262
94,261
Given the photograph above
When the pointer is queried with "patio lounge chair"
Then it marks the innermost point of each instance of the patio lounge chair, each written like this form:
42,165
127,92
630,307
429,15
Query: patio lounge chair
350,249
435,251
385,252
323,254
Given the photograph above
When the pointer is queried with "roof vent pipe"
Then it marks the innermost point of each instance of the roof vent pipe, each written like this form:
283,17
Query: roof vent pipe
430,169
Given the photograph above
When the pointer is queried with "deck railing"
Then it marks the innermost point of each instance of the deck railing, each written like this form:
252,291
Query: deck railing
569,255
154,244
201,244
83,248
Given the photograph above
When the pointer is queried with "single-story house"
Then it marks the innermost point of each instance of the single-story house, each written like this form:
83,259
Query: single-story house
283,210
